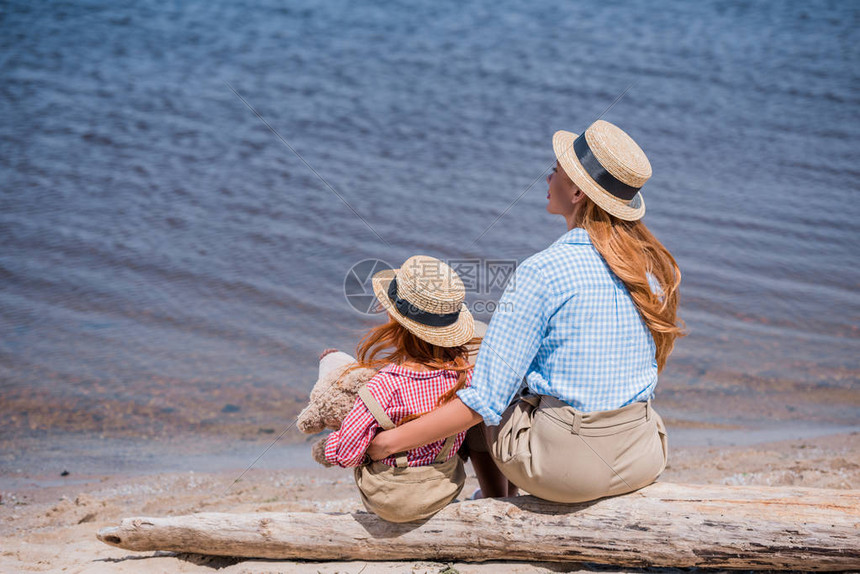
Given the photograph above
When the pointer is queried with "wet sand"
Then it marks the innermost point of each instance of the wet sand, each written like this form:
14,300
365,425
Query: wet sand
48,523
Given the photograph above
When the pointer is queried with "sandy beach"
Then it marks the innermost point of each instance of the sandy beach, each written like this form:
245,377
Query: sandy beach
52,528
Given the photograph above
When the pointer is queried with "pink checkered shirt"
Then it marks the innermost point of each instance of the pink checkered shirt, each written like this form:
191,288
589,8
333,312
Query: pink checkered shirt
400,392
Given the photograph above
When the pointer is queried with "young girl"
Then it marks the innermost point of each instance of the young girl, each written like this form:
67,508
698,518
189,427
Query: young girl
422,354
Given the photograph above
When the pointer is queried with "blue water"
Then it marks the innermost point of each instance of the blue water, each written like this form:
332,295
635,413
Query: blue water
163,253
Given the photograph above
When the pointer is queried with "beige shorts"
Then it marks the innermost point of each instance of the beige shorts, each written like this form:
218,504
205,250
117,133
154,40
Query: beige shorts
403,493
551,450
409,494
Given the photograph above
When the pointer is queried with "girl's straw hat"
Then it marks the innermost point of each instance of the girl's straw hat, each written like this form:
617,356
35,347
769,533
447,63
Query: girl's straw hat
426,296
606,164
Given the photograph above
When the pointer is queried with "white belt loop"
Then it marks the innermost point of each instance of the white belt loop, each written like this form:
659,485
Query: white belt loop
648,410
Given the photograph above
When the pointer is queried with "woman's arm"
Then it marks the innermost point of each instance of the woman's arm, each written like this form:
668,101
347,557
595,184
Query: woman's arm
511,343
449,419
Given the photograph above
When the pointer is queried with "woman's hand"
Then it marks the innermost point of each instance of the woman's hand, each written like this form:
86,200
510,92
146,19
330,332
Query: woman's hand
379,446
447,420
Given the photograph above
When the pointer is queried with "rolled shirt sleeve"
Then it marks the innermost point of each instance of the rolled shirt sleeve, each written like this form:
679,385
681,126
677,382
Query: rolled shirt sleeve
510,345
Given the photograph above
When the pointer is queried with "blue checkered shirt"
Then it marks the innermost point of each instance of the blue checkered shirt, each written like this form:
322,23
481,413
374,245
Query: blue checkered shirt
569,326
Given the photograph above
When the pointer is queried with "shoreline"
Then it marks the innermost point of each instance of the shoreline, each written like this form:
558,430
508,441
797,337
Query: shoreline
49,526
43,460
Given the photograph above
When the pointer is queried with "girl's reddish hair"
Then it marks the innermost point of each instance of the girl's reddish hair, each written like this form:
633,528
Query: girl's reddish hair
391,342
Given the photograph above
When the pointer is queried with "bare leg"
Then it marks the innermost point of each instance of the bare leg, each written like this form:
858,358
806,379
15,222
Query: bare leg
493,483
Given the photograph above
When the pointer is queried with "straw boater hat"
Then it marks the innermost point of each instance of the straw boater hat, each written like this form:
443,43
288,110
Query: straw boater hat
426,296
606,164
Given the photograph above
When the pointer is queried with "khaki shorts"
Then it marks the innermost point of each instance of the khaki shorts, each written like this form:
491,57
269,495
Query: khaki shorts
403,493
551,450
412,493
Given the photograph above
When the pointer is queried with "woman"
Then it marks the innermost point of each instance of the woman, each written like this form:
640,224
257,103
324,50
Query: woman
586,326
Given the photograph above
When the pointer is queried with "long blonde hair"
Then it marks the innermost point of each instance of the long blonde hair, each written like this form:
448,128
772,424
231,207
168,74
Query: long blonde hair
632,251
393,343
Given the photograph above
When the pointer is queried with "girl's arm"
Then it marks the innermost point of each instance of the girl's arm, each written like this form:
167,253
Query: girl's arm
347,446
449,419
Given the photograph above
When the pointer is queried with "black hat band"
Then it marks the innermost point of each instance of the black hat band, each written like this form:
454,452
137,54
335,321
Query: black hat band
599,174
410,311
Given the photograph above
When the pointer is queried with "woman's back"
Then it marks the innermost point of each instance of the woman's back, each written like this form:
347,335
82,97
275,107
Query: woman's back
569,325
597,353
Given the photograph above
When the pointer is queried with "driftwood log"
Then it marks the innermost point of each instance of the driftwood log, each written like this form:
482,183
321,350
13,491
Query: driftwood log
670,525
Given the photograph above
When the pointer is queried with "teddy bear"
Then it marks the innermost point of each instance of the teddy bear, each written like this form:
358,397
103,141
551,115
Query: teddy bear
332,397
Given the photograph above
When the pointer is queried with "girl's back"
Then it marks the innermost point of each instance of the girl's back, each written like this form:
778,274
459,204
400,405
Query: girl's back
403,393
